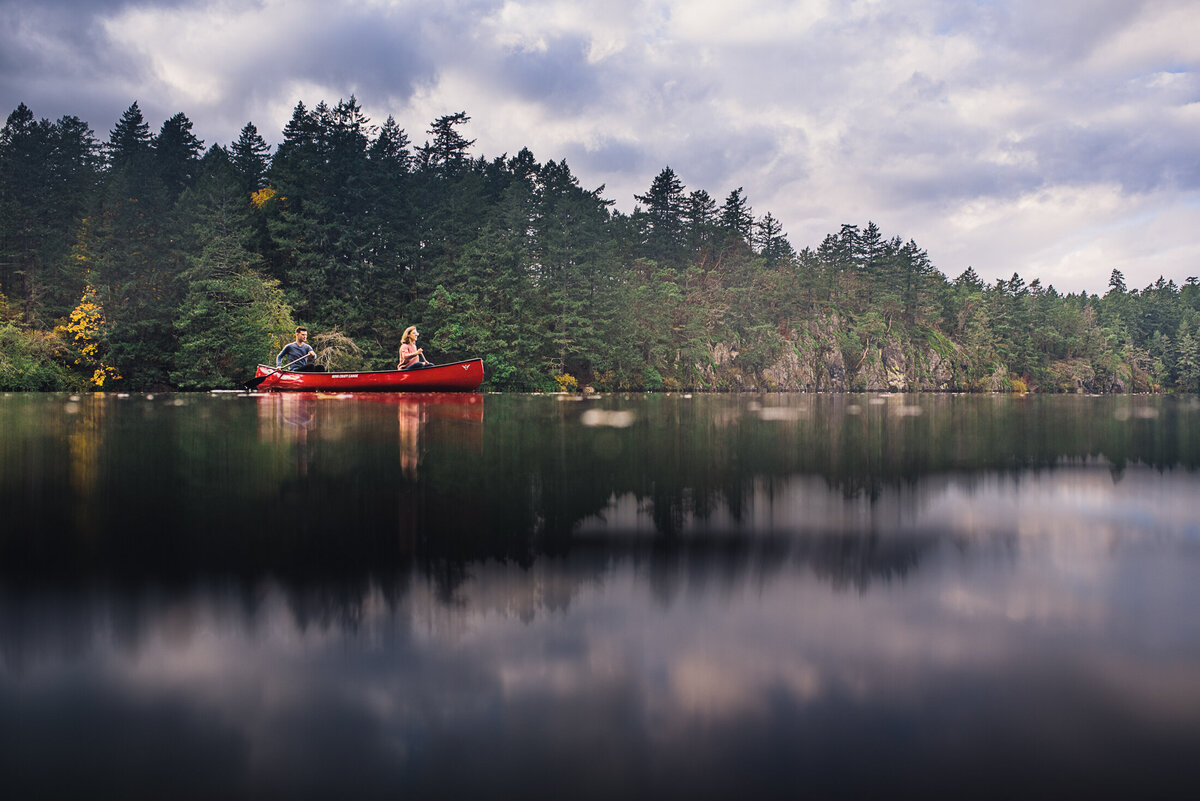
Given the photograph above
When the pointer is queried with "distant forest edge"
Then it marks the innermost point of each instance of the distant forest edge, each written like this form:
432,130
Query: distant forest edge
147,263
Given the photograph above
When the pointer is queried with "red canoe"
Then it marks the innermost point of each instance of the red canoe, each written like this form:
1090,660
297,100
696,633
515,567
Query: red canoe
457,377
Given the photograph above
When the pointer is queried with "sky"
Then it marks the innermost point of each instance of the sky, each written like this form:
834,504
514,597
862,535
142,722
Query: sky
1058,140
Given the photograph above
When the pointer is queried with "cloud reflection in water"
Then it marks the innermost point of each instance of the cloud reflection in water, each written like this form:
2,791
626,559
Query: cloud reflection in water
1014,636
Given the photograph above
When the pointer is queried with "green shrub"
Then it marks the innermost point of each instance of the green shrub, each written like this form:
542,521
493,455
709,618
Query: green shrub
27,361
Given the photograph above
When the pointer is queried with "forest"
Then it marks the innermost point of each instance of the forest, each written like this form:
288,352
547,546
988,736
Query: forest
148,262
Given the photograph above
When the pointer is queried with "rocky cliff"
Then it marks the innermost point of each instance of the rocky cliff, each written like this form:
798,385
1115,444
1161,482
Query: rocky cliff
817,358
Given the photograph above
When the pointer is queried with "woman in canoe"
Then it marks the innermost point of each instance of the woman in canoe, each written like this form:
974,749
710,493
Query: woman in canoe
411,357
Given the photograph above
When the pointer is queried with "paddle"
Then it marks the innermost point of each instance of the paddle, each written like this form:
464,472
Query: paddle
254,382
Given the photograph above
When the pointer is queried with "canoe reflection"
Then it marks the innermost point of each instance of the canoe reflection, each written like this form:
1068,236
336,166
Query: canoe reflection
290,417
709,597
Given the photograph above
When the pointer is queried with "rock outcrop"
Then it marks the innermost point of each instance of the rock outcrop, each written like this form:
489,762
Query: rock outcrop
815,357
812,360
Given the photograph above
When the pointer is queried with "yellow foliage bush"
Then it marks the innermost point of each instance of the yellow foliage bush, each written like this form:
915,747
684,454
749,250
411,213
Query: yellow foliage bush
84,327
262,196
566,383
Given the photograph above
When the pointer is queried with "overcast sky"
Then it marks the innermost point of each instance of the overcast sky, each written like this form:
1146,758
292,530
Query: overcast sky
1058,139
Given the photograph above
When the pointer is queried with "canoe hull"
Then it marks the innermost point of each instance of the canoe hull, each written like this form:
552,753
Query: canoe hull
457,377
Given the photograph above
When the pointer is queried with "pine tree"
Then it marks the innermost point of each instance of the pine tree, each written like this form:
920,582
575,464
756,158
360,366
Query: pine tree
231,317
771,243
251,157
129,139
571,249
393,229
735,217
25,160
389,151
1187,359
915,276
48,175
322,223
1116,282
662,221
699,220
177,152
132,257
484,302
448,150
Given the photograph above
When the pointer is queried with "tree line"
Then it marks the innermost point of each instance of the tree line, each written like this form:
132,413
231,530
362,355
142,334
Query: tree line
148,261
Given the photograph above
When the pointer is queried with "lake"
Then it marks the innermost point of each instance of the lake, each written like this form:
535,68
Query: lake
523,596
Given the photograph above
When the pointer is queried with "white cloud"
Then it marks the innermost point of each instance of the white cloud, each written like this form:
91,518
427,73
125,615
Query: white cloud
713,23
1046,139
1164,33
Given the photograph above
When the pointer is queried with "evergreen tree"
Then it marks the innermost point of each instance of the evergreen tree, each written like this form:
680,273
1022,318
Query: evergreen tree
699,220
448,150
1116,282
770,242
393,228
133,263
483,301
177,152
735,217
26,196
390,148
916,291
48,178
571,249
662,221
75,177
1187,359
251,156
878,268
322,223
136,273
231,317
129,139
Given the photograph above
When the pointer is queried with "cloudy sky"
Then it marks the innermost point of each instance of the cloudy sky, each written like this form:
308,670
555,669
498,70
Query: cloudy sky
1058,140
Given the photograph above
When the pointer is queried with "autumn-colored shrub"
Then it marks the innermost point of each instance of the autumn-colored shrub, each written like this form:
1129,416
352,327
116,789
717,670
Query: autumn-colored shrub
566,382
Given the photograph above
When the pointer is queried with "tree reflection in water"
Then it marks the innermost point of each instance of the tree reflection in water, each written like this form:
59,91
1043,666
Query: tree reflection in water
679,596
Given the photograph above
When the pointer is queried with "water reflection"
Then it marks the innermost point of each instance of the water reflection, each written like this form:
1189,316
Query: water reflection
637,671
706,596
134,484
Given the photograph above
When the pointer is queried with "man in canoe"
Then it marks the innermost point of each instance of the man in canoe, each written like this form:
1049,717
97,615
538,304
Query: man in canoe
299,354
411,357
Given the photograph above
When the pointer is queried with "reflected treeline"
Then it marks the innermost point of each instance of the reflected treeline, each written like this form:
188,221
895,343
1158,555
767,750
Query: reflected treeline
299,485
667,594
68,617
696,458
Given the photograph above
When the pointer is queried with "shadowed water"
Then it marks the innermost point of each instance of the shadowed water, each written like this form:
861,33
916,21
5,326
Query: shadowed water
630,596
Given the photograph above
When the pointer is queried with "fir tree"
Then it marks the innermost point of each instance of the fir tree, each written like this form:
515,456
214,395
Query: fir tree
662,221
177,152
251,158
129,139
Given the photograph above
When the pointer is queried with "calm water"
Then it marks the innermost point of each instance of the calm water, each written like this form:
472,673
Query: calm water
632,596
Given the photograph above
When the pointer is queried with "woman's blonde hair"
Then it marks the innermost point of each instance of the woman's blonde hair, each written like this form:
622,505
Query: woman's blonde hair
410,335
